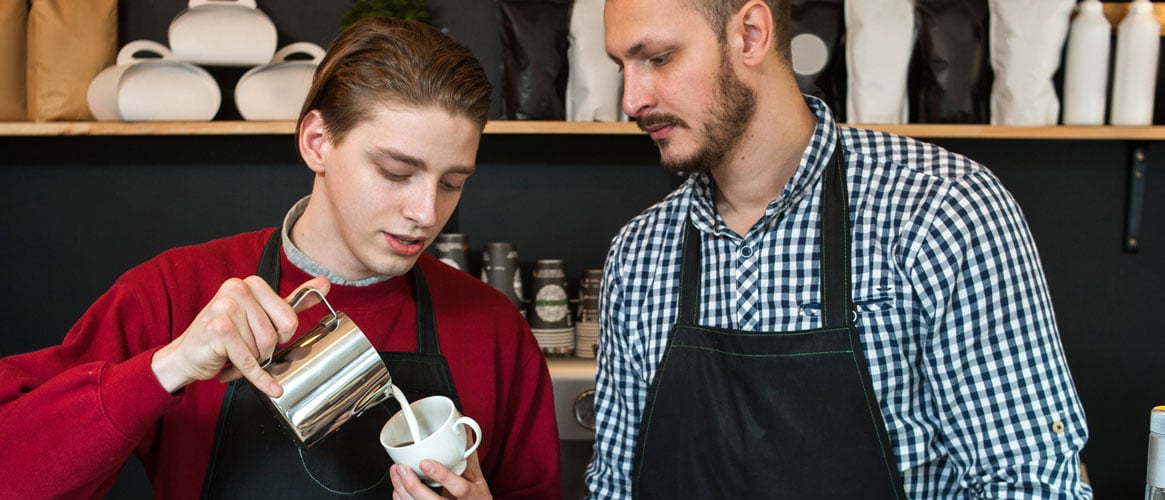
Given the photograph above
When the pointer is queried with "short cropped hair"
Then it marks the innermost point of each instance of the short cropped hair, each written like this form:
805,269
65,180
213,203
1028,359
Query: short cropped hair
717,13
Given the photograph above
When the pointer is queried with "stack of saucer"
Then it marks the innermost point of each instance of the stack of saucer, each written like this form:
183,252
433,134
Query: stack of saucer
557,342
586,339
586,329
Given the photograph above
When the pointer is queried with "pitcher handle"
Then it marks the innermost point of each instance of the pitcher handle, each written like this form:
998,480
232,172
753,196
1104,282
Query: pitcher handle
294,302
302,292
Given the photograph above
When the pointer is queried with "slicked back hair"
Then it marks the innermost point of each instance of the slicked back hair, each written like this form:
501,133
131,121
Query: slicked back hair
383,60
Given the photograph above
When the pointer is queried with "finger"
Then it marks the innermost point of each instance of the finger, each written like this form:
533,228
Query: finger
278,314
229,373
278,320
451,482
473,468
261,308
406,483
243,361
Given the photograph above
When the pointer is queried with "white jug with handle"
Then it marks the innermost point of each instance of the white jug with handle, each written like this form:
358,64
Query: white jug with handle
223,33
102,94
152,88
276,91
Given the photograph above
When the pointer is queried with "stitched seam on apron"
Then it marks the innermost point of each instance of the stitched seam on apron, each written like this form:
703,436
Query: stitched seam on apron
650,412
739,355
740,333
870,411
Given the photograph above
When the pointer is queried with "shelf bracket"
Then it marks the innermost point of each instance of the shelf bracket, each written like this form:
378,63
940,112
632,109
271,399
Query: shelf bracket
1136,198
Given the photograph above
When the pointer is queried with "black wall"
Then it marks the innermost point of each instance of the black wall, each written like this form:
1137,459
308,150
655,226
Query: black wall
75,212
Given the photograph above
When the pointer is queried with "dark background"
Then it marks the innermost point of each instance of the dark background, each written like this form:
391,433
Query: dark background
76,212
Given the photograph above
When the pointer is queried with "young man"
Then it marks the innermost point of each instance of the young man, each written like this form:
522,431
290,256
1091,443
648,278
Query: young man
819,311
390,129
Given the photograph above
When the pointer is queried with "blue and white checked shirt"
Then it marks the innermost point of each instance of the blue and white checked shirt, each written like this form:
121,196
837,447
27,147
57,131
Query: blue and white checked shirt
953,311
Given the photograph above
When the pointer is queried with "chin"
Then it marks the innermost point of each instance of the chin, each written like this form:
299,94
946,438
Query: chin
392,266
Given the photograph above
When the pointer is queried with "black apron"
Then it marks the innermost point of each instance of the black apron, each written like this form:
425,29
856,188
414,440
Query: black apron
256,456
734,414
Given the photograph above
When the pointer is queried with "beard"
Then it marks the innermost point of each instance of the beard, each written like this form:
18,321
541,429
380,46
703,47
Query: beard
731,113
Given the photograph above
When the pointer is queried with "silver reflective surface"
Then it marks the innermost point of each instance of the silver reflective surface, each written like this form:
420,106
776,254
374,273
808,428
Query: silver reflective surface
329,375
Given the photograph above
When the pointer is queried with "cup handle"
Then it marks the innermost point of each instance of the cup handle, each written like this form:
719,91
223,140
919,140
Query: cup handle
471,423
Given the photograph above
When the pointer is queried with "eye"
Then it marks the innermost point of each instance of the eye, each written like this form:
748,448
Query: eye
453,188
660,60
453,185
393,176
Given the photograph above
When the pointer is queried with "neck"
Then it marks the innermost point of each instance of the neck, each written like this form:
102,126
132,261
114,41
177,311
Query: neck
318,239
754,173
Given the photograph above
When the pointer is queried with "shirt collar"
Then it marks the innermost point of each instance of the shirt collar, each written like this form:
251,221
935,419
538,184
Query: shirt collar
813,161
305,263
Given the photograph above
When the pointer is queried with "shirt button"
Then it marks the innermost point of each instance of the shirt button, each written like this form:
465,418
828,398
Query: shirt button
746,252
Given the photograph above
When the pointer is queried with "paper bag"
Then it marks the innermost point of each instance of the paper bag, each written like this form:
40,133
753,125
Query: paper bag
1027,39
69,42
13,21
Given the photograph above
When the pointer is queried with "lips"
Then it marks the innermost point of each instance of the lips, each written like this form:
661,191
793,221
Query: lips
659,126
404,245
659,132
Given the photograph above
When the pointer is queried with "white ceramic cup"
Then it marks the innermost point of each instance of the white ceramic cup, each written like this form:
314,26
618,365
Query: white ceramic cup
441,436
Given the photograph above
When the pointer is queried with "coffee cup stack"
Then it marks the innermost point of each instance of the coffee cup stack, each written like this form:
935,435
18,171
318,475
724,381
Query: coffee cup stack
586,329
549,313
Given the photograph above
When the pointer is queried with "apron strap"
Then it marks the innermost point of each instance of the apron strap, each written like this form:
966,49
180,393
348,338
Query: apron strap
836,296
268,269
269,260
690,276
426,317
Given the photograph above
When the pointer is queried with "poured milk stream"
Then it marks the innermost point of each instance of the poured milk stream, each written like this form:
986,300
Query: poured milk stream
410,417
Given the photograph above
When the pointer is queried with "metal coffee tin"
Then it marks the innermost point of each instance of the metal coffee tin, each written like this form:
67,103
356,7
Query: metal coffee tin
499,268
329,375
453,249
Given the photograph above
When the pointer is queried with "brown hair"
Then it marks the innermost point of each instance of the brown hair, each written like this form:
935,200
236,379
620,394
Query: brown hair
717,13
393,61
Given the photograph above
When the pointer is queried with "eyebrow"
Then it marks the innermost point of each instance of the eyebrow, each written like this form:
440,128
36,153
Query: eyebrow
413,161
394,155
635,50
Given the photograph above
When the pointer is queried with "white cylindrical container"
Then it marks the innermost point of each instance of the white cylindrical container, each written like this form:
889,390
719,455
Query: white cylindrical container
1086,65
1135,75
1155,475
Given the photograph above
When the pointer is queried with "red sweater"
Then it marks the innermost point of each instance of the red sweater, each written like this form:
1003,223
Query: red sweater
70,415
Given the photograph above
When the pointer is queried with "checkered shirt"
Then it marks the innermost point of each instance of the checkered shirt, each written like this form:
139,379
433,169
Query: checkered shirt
953,312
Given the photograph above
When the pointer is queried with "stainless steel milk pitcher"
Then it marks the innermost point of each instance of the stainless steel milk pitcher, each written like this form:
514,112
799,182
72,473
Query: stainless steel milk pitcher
329,375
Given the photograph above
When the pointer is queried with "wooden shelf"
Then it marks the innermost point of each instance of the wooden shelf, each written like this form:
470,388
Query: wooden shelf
922,131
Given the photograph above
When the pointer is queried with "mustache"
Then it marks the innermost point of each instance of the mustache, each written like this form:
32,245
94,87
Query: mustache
646,122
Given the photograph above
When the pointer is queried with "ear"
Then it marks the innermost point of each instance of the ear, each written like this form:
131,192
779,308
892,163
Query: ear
313,140
755,20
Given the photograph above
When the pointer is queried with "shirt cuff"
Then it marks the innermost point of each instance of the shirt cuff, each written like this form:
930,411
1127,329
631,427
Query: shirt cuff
131,396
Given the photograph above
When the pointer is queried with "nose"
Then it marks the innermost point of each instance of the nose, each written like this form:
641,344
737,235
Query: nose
637,95
421,205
